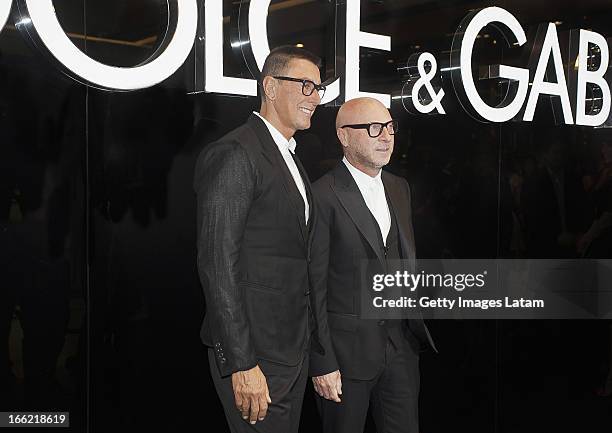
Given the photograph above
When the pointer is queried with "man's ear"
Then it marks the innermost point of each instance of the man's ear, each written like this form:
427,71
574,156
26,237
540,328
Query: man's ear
269,87
342,136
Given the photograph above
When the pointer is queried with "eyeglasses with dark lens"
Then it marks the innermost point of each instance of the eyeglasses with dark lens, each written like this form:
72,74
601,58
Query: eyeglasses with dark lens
375,128
307,86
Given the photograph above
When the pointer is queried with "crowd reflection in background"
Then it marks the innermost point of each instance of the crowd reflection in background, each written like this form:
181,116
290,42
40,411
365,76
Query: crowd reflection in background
596,242
41,233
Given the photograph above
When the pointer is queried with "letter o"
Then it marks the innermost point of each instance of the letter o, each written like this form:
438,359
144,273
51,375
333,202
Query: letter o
84,69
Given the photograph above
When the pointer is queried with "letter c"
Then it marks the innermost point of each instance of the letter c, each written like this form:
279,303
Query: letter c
258,37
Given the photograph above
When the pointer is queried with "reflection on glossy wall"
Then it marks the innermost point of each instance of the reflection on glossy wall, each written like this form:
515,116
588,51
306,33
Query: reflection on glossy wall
100,305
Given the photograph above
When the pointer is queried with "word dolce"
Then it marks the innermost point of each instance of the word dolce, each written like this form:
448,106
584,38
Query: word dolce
39,22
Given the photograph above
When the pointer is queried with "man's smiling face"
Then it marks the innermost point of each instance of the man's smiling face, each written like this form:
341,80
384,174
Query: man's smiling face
293,107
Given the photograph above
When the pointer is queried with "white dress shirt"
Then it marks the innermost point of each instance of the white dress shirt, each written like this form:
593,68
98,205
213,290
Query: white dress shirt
373,192
287,147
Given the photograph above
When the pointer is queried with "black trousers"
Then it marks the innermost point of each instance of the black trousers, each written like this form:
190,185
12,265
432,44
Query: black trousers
286,386
393,394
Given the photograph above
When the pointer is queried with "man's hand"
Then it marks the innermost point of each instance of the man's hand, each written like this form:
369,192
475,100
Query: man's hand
251,394
329,385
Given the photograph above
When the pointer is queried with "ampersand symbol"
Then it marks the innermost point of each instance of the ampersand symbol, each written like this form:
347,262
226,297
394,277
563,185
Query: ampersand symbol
425,80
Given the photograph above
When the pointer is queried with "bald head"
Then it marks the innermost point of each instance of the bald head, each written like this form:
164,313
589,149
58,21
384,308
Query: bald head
361,110
366,153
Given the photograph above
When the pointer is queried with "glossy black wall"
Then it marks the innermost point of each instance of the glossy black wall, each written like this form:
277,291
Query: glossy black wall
97,218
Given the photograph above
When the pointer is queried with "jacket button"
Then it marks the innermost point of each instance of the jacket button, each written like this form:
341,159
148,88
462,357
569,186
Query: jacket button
217,344
222,360
381,322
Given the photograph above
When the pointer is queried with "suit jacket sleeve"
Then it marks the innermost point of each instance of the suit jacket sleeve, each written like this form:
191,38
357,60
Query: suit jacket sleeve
322,362
410,225
225,182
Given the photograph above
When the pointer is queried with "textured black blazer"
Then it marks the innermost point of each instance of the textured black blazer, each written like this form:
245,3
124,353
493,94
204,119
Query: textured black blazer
253,250
345,236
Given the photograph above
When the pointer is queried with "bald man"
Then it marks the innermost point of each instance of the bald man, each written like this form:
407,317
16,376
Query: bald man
364,214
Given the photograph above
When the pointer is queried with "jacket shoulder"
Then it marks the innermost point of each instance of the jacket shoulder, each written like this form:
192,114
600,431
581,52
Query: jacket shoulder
398,180
323,185
236,146
242,137
394,177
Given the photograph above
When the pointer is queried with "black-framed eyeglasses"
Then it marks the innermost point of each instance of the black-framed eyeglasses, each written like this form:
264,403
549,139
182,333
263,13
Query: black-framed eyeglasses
307,86
376,128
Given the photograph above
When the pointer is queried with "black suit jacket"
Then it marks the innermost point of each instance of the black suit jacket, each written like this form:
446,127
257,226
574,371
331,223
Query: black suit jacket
345,236
253,250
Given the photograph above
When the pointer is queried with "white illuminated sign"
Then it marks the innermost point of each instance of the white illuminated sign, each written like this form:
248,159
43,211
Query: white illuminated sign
463,76
258,18
44,22
541,87
215,81
423,78
355,39
5,11
40,22
595,77
463,81
332,91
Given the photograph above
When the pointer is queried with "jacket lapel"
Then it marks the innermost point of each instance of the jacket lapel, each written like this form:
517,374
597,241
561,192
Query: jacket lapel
399,202
312,216
306,180
352,201
273,155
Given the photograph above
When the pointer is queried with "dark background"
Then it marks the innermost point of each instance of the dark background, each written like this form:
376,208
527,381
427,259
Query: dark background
100,303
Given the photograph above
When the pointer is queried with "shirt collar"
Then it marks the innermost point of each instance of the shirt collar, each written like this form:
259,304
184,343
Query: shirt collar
279,139
361,177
